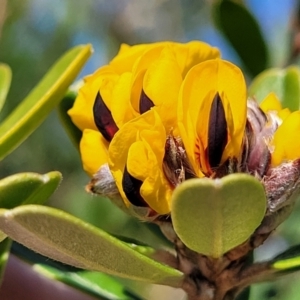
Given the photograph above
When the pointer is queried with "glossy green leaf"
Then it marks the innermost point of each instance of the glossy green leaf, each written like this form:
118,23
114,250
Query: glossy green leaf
28,188
4,254
5,79
62,237
285,83
94,283
241,29
288,261
213,216
43,98
67,102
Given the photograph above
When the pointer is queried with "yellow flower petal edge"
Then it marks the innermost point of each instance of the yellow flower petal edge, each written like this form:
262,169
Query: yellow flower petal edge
271,102
202,83
94,151
286,140
187,54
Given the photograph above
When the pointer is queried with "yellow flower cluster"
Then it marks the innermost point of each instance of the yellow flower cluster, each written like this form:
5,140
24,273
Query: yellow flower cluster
168,110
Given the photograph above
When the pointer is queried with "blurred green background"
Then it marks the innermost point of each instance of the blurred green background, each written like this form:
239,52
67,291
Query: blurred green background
34,33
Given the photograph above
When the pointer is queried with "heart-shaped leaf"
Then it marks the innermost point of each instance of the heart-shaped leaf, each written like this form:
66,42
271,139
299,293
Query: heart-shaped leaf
43,98
5,79
62,237
285,83
28,188
242,30
94,283
213,216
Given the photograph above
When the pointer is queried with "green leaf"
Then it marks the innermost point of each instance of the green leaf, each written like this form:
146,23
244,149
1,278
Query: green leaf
213,216
28,188
242,30
285,83
32,111
67,102
4,254
5,79
94,283
288,261
62,237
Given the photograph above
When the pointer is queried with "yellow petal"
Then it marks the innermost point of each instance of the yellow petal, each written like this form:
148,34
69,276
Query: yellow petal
284,113
271,102
163,65
149,57
156,189
198,90
137,160
286,140
193,53
187,55
136,89
124,150
82,111
161,84
93,150
144,164
121,108
128,56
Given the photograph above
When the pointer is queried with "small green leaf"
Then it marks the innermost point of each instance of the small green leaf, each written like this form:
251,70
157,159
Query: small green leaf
288,261
214,216
4,254
28,188
94,283
32,111
64,238
5,79
285,83
242,30
73,132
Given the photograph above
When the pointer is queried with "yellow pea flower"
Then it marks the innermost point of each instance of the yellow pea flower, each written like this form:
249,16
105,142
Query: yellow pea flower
138,79
162,113
212,114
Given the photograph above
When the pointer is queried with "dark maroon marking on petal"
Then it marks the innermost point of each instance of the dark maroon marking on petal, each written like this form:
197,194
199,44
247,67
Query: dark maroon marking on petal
131,187
103,119
217,132
145,103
